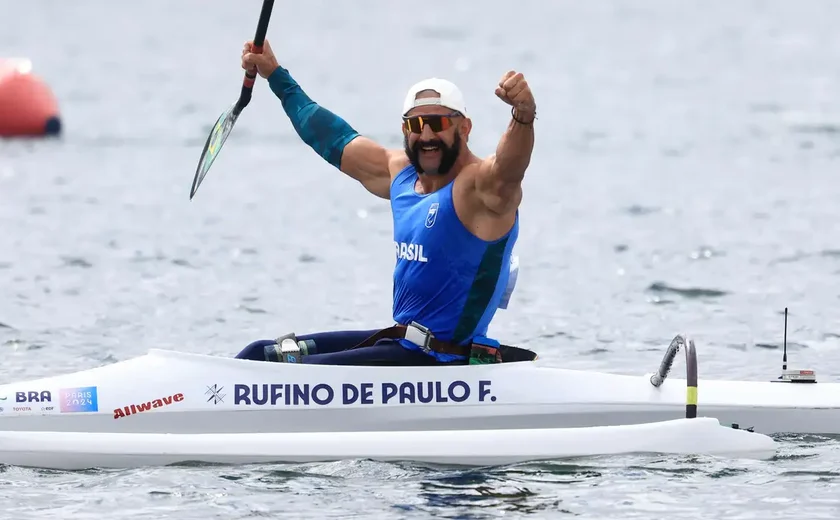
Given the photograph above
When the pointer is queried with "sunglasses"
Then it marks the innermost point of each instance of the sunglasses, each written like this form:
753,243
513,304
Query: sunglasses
438,123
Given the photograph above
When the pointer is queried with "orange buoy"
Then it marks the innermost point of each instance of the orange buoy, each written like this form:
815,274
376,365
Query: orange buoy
27,106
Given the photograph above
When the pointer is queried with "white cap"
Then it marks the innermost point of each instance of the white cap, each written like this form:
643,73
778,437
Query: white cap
450,95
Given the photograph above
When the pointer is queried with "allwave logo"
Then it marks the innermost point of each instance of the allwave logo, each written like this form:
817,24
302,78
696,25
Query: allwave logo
411,252
432,215
133,409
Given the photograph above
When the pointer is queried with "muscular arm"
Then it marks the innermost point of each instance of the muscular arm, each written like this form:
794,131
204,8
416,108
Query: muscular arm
499,180
332,138
372,164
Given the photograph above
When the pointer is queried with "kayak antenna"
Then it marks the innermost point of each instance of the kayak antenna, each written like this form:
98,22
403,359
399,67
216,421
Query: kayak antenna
784,345
793,375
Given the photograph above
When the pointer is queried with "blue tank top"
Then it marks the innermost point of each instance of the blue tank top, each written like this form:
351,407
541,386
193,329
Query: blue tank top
445,278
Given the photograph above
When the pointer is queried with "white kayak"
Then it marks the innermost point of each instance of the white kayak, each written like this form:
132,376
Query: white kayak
166,392
75,450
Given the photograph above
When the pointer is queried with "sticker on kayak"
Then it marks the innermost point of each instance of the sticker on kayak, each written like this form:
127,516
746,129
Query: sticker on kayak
140,407
79,399
33,396
408,392
28,401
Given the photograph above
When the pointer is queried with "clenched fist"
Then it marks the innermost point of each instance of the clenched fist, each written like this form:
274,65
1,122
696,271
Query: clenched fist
513,89
265,62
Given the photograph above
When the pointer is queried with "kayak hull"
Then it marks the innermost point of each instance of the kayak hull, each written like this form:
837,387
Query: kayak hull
169,407
74,450
172,392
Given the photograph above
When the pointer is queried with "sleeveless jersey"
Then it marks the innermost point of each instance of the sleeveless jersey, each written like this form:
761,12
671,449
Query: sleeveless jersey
445,278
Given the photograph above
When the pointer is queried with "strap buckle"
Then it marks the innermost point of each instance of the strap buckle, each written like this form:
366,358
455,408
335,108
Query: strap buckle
419,335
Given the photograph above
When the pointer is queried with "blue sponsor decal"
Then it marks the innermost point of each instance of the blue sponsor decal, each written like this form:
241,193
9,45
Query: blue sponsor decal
42,396
407,392
79,399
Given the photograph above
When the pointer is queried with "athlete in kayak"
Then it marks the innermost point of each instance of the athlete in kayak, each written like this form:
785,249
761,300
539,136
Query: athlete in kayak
455,218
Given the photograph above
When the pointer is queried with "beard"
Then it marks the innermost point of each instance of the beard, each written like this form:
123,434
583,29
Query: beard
449,154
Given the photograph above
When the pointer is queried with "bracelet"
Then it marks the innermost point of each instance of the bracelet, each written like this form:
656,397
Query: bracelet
531,122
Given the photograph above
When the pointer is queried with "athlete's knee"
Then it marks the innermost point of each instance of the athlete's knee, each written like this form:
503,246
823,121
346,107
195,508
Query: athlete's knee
289,349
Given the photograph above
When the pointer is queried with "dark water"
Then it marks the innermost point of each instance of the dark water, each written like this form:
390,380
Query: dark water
686,178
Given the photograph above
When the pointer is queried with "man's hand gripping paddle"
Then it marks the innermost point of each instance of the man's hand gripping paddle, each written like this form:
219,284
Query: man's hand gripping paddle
225,123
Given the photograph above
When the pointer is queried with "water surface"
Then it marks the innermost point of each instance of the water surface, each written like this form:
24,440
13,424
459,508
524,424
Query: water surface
685,179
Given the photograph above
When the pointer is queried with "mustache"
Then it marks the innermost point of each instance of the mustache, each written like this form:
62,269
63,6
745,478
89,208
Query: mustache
450,153
433,142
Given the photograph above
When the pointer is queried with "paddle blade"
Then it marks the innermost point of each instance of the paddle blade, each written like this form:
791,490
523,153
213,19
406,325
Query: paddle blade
218,136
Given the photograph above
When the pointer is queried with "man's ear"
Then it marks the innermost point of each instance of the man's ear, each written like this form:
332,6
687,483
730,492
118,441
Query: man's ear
465,129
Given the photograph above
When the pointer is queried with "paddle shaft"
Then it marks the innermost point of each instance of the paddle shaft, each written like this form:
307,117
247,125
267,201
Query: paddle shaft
259,39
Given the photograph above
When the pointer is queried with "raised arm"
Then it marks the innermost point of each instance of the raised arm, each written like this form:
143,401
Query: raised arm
499,179
325,132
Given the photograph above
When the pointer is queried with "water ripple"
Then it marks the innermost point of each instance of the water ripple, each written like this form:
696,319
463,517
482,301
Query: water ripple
688,292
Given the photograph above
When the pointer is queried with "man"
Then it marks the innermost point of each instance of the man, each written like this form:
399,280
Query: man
455,218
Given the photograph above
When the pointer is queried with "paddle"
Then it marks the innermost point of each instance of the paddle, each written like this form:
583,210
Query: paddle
221,130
